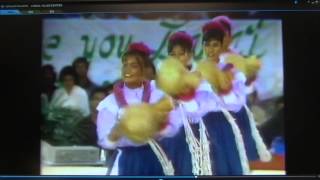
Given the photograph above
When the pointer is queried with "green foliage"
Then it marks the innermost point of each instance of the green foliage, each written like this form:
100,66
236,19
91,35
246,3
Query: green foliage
65,127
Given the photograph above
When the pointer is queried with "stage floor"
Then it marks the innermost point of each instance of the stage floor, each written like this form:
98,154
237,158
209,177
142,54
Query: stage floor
86,170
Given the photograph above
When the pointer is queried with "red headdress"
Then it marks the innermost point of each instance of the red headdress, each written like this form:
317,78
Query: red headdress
182,36
140,47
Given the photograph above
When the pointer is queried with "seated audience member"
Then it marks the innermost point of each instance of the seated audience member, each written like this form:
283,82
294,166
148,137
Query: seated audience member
70,95
81,67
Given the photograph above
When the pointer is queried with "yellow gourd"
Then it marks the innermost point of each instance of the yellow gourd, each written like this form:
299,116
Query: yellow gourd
141,122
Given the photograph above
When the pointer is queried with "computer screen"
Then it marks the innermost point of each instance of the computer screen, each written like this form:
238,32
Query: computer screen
159,89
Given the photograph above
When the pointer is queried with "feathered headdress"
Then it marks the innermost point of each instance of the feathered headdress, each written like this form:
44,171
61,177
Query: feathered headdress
220,79
249,66
142,122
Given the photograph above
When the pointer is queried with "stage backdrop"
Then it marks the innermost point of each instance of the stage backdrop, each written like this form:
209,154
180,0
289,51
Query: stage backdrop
104,41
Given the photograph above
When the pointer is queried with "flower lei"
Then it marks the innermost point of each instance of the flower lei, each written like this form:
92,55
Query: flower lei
121,100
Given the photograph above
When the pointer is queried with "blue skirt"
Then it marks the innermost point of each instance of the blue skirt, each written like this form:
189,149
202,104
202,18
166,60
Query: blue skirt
242,120
139,161
224,153
178,152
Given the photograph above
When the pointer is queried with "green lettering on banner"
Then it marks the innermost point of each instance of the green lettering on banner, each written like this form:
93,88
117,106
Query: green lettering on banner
259,26
171,27
122,45
250,30
198,55
111,41
46,56
88,51
236,37
53,43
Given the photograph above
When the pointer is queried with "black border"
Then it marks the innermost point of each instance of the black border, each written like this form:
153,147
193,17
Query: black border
21,54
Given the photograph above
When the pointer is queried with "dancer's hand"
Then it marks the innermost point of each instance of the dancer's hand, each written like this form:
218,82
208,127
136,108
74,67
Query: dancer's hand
198,73
175,102
115,134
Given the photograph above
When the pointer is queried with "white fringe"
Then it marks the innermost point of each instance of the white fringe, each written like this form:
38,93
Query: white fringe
263,152
239,142
193,143
206,167
164,161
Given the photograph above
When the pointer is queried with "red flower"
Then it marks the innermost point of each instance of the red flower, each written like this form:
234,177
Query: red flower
213,25
140,47
225,21
182,36
187,96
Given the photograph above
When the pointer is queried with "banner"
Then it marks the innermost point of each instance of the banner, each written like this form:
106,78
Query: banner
103,41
